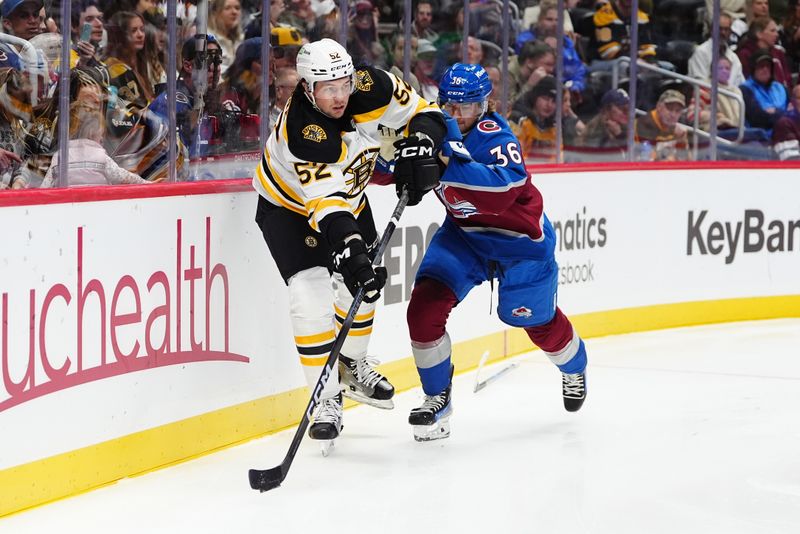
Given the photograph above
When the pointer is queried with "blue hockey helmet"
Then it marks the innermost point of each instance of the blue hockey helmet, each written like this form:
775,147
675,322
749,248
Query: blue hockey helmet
464,83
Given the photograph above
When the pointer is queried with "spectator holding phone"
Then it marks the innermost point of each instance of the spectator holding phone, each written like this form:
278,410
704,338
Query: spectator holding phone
87,32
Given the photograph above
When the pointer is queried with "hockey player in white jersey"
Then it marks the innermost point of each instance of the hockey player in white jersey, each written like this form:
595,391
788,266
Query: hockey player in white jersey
315,216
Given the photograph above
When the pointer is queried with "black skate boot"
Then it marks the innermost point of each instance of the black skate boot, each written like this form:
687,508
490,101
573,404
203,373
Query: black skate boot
327,422
431,420
361,382
573,388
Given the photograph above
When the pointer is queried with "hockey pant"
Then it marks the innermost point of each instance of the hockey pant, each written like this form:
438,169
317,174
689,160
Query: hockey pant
527,299
319,303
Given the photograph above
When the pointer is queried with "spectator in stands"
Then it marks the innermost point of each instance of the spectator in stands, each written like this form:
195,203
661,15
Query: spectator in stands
398,47
496,75
86,12
327,23
240,89
286,42
545,30
155,51
765,99
536,128
791,34
424,70
535,61
89,163
607,133
763,35
422,27
252,27
728,112
185,95
300,15
225,22
474,51
667,139
753,9
285,82
363,44
786,134
126,60
700,62
22,18
612,31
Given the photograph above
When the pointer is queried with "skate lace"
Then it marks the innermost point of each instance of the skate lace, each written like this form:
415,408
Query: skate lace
329,411
573,384
433,403
366,373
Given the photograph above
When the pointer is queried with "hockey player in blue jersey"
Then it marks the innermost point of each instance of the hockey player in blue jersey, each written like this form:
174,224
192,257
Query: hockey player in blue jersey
495,228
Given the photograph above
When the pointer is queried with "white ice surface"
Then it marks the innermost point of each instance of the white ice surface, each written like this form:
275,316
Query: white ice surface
692,430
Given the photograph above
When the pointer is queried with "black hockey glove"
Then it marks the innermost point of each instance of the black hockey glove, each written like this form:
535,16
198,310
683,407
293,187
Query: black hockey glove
415,168
351,260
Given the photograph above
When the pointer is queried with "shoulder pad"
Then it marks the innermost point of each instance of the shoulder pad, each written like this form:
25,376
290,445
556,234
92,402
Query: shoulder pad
373,90
310,135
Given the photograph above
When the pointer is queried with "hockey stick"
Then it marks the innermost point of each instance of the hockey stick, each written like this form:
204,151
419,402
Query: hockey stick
271,478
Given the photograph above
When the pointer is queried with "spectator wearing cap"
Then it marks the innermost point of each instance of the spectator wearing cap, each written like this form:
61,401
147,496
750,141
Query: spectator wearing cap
765,99
763,35
225,22
661,130
424,69
363,44
606,134
241,83
535,129
22,18
126,60
286,42
185,94
700,62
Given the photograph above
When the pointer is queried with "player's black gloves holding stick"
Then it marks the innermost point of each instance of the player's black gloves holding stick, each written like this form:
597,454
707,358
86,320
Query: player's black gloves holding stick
415,168
351,260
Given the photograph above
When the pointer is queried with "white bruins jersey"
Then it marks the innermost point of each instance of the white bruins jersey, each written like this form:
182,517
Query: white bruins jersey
314,165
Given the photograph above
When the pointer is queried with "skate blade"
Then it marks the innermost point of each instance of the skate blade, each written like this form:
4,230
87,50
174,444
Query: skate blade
387,404
438,430
326,447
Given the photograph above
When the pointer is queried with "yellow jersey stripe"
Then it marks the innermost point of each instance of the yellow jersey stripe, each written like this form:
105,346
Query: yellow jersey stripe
373,115
360,331
279,183
276,195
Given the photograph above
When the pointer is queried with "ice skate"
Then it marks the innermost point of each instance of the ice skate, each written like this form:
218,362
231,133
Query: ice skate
361,382
327,422
432,420
573,387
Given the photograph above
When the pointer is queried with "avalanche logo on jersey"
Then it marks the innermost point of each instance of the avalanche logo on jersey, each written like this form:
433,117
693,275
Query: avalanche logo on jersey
460,209
315,133
488,126
358,173
522,311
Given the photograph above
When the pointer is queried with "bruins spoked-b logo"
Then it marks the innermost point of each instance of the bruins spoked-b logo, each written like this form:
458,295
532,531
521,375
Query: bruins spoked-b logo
363,81
315,133
358,173
311,241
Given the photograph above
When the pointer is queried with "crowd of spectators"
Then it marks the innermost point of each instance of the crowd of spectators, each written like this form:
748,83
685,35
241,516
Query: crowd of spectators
118,114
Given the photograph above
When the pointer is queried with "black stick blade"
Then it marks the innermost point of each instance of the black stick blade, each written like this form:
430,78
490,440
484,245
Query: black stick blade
267,479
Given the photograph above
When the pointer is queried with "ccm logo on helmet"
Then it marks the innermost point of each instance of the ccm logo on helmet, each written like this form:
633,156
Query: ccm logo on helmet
488,126
416,152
